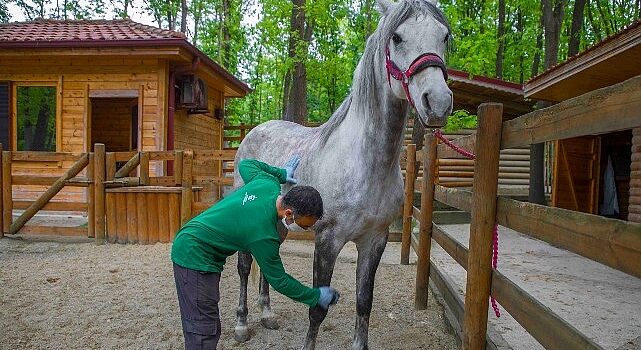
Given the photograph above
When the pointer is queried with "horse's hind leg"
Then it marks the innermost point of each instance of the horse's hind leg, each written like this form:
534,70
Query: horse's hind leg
241,333
369,256
267,318
325,255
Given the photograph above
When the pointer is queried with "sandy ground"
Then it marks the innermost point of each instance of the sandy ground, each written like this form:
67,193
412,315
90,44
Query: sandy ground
74,294
602,303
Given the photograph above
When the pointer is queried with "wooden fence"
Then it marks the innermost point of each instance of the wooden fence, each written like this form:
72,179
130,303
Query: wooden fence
124,204
612,242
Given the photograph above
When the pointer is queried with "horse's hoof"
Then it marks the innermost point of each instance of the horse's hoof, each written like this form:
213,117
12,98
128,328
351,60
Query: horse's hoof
241,335
269,323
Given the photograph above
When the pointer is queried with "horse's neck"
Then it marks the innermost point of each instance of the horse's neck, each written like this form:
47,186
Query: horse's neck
373,127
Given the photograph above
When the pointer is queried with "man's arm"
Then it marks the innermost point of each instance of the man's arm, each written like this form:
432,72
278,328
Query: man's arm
267,257
249,169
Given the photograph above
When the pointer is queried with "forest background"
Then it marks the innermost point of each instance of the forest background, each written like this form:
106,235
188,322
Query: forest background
299,55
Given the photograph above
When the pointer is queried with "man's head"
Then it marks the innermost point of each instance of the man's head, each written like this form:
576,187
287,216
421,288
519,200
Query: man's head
302,205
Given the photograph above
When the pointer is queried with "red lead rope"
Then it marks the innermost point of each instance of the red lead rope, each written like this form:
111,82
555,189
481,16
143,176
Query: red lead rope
495,234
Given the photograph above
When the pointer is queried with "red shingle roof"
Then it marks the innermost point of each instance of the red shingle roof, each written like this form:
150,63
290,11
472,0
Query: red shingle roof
91,30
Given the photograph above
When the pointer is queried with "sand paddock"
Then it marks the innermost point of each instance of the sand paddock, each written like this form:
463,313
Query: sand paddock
61,294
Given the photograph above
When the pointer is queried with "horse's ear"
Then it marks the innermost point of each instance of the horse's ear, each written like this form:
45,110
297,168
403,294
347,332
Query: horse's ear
384,7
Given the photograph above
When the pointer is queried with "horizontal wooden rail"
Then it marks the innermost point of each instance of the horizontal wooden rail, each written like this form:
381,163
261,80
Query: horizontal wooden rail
601,111
161,155
460,199
53,230
123,156
44,156
53,206
466,142
29,180
612,242
214,154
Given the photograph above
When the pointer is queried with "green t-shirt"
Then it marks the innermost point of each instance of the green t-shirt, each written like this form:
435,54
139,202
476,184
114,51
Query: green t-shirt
243,221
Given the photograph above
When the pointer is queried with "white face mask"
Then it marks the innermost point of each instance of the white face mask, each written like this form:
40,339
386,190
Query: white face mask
293,227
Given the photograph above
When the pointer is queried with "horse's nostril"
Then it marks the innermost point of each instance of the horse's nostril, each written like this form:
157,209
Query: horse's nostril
426,103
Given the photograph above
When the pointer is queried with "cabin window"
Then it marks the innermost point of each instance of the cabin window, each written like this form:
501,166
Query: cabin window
35,118
4,115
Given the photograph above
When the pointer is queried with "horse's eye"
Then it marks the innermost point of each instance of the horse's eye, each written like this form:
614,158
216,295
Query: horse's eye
396,38
447,37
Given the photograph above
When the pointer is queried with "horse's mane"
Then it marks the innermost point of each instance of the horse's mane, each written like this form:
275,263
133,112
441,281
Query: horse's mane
363,94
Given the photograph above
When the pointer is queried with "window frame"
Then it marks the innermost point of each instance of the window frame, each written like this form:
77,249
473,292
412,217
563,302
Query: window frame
14,110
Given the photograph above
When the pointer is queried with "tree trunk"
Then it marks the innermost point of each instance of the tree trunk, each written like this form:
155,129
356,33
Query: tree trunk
577,27
596,29
171,18
295,83
500,36
183,18
226,43
519,29
536,62
40,134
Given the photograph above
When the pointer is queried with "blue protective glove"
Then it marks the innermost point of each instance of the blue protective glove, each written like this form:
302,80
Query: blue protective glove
290,167
328,296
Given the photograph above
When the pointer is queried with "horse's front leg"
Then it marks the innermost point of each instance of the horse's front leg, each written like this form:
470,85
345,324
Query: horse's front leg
267,318
325,254
241,333
369,256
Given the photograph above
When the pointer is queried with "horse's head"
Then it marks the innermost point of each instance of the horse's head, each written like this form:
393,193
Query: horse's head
416,37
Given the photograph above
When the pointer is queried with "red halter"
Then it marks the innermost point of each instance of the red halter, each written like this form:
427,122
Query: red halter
421,62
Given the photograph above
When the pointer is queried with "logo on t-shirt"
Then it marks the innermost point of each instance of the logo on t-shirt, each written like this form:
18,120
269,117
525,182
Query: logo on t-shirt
249,198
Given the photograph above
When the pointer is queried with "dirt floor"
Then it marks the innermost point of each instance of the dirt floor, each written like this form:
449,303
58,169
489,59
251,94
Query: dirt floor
77,295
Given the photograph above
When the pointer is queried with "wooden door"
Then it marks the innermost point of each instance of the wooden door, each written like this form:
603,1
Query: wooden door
575,183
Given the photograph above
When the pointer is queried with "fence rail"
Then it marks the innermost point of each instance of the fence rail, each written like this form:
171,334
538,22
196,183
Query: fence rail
612,242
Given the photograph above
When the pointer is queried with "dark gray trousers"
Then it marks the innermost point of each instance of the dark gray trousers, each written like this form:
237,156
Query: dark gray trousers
198,297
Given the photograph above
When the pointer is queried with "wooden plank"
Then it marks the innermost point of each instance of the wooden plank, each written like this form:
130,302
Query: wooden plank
178,168
612,242
45,156
124,156
48,194
214,154
99,178
174,215
460,199
145,189
199,207
110,166
53,206
112,227
152,217
141,215
543,324
186,199
163,217
144,168
132,218
408,204
430,163
34,180
161,155
455,249
91,198
466,142
486,169
165,181
604,110
53,230
121,217
7,195
115,93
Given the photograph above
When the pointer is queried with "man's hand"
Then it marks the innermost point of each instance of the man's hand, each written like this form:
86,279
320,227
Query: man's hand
328,296
290,167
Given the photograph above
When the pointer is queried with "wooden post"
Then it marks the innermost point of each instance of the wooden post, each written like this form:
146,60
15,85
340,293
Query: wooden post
178,167
430,163
110,166
129,166
410,171
144,168
185,205
91,198
7,199
99,192
479,272
1,183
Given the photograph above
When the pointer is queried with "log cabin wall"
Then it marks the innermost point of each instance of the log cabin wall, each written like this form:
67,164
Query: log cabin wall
75,78
634,210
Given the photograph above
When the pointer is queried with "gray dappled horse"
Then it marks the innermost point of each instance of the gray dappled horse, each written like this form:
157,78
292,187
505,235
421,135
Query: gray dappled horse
353,159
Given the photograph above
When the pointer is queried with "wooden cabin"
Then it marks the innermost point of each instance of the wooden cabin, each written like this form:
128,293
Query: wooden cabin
67,85
597,174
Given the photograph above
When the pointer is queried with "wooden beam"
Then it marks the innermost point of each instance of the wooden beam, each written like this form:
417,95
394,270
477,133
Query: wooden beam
122,93
53,206
604,110
460,199
144,168
45,156
467,142
186,197
408,204
48,194
612,242
131,164
486,168
425,231
53,230
99,193
178,168
91,199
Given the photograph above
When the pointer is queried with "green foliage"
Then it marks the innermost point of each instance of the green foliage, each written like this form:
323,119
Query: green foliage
461,119
36,117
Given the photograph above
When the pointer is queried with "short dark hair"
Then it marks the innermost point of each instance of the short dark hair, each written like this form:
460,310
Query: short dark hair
304,201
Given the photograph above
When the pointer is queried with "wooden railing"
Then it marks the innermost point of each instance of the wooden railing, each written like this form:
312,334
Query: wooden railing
612,242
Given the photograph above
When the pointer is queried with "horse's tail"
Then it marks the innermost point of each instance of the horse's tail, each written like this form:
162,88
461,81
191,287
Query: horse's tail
254,272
